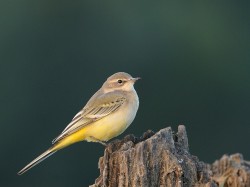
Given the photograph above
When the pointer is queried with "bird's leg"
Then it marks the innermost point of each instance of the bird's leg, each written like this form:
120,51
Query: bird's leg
99,141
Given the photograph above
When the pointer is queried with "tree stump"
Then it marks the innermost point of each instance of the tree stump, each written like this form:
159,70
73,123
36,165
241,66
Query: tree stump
163,159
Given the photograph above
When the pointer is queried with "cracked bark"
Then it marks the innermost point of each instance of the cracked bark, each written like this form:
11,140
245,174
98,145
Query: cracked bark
163,159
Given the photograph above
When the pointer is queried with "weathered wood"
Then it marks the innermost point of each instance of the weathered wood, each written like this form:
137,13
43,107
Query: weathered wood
163,159
232,171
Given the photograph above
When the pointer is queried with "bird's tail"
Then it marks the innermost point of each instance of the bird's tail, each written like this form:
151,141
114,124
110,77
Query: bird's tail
37,160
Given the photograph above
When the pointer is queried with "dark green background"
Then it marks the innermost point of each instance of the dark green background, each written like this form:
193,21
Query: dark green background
193,57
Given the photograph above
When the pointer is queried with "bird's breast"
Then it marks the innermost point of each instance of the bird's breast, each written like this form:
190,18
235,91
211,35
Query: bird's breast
113,124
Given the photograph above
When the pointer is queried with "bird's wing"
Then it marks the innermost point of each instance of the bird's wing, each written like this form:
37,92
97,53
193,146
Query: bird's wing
93,111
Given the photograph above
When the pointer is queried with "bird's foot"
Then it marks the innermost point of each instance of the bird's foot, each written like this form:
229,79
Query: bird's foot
99,141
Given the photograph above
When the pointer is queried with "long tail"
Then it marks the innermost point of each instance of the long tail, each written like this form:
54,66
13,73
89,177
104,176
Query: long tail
55,147
39,159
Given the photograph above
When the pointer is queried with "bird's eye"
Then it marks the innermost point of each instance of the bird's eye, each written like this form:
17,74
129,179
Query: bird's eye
119,81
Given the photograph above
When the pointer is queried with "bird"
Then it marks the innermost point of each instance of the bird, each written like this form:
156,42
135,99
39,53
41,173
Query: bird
107,114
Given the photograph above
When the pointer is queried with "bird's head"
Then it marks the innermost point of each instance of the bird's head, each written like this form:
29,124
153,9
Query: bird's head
119,81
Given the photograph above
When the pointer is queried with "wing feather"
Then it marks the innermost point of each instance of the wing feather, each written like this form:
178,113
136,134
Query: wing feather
91,113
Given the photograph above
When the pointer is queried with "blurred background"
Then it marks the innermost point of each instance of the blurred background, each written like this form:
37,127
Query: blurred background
193,58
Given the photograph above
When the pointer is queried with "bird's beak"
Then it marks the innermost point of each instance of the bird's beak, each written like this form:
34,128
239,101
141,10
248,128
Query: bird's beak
135,79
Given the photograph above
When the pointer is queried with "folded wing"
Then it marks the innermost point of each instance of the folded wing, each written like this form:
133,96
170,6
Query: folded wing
93,111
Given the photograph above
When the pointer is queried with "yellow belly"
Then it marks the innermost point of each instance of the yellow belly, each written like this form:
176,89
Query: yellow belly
110,126
103,129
